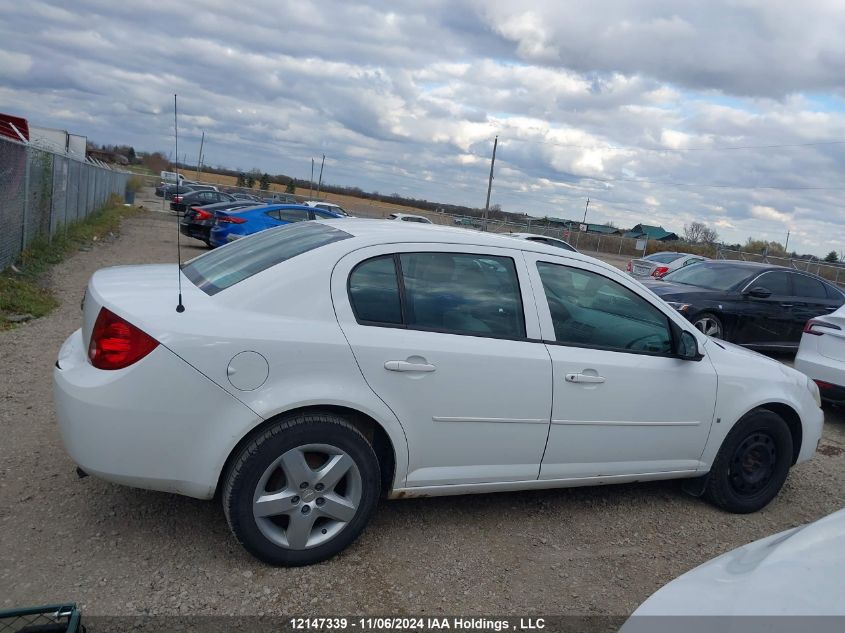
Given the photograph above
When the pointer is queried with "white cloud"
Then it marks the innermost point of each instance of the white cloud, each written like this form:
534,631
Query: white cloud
14,64
768,213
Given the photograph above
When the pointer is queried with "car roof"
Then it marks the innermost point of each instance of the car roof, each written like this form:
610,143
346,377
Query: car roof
370,232
750,265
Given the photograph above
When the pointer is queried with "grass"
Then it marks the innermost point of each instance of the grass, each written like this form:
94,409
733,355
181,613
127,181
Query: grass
25,291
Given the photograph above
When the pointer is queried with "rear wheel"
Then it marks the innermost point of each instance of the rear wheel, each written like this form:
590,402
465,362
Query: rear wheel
752,463
302,490
709,324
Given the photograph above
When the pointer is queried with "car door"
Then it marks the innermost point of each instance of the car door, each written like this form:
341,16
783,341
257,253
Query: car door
766,321
623,404
447,336
810,299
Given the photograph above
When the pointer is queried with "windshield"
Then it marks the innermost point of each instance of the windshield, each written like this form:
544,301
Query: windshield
714,276
664,258
226,266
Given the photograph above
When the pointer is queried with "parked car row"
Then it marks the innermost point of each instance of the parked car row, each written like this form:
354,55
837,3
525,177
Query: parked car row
219,223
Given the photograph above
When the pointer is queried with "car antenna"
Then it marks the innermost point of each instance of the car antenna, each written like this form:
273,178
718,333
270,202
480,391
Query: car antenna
179,307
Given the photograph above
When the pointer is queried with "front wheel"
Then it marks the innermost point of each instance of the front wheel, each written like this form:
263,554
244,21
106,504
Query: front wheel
710,325
752,464
302,490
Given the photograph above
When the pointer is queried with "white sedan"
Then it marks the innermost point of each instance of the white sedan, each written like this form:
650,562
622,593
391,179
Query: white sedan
319,365
798,572
821,354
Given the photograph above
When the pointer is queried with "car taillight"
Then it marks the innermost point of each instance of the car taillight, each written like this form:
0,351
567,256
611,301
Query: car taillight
628,267
817,328
200,214
116,343
660,271
177,198
230,219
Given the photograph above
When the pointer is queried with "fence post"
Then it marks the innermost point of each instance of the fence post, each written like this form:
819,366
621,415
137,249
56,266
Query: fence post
25,200
621,239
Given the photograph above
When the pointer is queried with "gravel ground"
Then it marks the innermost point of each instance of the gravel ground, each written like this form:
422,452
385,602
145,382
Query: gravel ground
116,550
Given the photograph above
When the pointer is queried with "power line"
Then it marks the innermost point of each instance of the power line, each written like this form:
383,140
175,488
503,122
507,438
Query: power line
673,149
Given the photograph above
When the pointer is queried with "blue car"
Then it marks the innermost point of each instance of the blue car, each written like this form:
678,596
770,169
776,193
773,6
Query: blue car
232,225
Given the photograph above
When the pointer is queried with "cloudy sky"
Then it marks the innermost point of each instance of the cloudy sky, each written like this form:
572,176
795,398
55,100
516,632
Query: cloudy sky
731,112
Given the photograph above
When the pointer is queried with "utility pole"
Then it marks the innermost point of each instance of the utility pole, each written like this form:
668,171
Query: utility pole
785,246
587,206
311,182
320,181
490,181
199,156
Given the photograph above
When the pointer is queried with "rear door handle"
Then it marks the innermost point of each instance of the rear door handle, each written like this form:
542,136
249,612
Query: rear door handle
403,365
584,378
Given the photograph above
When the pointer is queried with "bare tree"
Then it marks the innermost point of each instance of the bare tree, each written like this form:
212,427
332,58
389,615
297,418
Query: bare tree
699,233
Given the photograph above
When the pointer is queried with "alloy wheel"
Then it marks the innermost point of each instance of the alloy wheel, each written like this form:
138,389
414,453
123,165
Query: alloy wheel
709,326
307,496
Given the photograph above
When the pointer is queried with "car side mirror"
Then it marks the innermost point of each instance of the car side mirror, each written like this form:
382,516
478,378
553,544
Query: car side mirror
688,346
758,292
684,343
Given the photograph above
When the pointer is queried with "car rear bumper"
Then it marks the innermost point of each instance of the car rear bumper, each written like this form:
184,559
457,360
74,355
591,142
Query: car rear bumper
828,373
158,424
197,231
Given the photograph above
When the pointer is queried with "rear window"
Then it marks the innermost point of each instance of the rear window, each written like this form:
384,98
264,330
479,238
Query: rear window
226,266
664,258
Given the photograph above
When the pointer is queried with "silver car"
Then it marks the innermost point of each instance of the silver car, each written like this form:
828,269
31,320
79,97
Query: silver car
658,264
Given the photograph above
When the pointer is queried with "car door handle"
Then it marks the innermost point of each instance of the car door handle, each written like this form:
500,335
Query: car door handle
403,365
584,378
785,305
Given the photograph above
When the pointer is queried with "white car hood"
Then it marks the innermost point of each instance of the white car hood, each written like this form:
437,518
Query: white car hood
797,572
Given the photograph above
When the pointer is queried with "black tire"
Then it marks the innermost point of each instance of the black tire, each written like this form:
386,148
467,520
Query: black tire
704,316
258,456
752,464
208,243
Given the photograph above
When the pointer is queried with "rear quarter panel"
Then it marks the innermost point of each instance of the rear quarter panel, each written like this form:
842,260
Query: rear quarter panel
285,314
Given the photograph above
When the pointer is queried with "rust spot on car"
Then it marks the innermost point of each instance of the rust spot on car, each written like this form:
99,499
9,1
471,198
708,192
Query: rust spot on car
830,450
406,494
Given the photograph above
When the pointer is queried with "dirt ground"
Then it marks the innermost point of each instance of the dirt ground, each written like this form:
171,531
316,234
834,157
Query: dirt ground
116,550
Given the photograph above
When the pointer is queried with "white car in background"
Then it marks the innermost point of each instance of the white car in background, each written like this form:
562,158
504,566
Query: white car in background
407,217
798,572
821,354
657,265
545,239
326,206
322,364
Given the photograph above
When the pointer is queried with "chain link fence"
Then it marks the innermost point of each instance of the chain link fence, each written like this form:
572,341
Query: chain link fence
41,192
834,272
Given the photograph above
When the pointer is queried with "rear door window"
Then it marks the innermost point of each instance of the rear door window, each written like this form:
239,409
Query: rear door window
293,215
374,292
808,288
463,294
